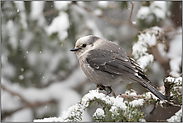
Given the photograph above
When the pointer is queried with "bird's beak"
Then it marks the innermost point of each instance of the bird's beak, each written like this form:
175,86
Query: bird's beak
73,50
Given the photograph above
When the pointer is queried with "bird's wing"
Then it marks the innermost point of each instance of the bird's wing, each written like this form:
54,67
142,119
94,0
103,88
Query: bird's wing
115,64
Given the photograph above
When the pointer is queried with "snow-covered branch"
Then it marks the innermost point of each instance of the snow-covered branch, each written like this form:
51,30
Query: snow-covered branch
113,109
120,109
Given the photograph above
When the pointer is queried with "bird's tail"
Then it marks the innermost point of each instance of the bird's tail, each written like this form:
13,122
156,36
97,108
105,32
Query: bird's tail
152,89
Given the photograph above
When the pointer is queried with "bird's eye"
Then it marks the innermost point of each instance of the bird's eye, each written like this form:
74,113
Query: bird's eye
84,45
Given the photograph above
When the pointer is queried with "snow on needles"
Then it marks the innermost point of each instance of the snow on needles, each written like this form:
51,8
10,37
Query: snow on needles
36,13
177,82
59,25
143,12
103,4
21,8
75,112
37,9
148,39
139,49
158,8
99,112
61,5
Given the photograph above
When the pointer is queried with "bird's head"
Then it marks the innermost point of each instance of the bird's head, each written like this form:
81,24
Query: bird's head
84,45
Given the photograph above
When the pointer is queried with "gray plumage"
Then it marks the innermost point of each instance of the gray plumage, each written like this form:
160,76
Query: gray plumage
106,64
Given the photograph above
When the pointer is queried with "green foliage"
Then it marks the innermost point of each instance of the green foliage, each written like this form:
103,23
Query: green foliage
146,23
123,5
130,114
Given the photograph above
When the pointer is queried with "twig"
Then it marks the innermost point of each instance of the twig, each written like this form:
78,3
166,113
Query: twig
130,19
169,104
130,96
168,86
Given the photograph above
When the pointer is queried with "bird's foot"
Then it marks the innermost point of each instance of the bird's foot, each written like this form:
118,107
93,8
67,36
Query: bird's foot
101,89
108,89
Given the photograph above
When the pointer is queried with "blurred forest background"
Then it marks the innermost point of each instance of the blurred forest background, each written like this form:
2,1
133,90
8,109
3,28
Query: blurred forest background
40,77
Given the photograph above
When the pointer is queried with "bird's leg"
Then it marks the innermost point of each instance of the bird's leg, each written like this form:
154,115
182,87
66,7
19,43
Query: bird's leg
109,90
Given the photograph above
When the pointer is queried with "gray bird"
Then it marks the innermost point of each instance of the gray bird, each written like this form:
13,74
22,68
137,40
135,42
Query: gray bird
106,64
